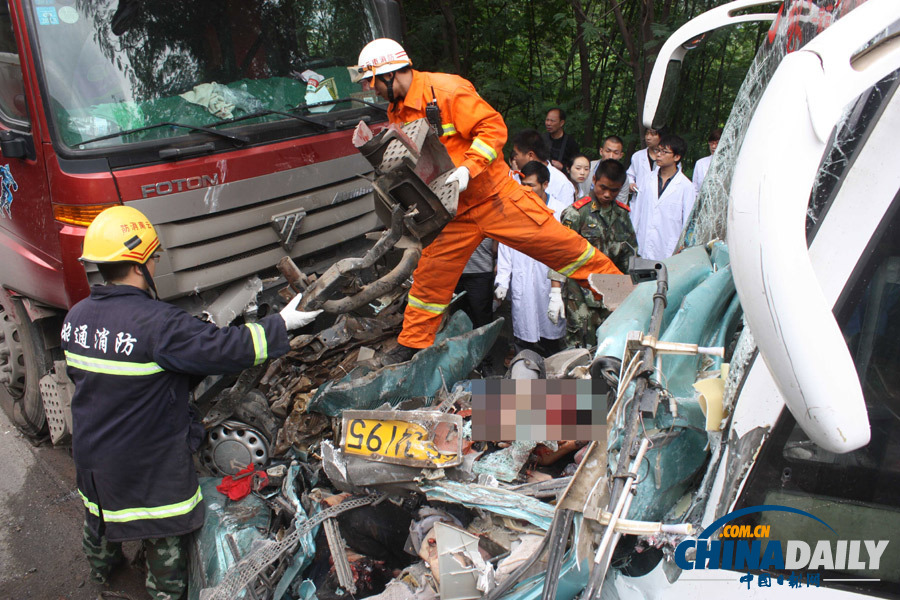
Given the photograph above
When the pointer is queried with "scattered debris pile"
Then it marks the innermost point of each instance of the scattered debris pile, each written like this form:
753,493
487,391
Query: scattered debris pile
375,488
345,474
392,503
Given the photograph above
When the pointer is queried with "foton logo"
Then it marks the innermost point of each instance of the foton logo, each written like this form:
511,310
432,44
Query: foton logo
161,188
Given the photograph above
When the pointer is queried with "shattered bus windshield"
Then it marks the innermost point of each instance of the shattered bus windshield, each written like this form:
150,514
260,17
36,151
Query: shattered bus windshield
798,22
113,66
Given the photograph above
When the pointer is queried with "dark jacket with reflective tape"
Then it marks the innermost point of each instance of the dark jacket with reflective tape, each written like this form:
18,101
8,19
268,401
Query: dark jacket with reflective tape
132,358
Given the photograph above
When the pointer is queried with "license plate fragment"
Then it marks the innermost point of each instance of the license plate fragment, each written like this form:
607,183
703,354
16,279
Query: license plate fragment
428,439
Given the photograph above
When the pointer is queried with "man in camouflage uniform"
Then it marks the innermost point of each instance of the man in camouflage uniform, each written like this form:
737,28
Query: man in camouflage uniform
166,564
605,223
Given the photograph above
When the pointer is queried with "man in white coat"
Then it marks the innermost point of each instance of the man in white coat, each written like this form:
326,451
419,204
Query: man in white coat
665,200
525,280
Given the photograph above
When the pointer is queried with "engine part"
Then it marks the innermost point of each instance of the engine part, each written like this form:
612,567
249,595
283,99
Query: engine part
234,301
298,281
412,170
324,287
382,286
412,199
229,400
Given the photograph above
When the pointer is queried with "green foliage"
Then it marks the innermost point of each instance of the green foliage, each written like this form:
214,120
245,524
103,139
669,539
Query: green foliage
524,57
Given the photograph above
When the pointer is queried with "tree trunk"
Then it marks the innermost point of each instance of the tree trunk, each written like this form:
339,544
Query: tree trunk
465,60
403,28
584,57
604,131
451,34
720,83
634,52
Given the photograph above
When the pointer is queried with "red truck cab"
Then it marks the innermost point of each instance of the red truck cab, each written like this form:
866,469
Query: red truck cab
227,123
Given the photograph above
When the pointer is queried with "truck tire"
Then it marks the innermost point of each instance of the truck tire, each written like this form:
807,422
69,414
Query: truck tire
23,361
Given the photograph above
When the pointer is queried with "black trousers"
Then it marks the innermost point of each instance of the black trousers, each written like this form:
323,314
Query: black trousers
545,347
479,298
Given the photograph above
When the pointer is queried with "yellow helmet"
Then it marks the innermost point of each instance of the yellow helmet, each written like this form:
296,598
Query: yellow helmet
120,234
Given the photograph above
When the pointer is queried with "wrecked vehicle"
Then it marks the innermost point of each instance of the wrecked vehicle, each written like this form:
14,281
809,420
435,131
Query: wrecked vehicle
749,378
785,465
227,124
752,369
363,462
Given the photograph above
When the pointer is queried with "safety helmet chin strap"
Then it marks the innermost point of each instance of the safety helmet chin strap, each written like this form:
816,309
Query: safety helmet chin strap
389,82
149,279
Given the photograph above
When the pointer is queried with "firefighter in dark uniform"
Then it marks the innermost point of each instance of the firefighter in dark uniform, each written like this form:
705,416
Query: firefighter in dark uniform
132,358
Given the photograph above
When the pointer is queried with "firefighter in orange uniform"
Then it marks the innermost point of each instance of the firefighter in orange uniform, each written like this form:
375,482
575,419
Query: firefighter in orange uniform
491,203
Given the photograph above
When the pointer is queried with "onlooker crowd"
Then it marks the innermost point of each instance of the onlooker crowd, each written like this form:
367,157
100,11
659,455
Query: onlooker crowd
638,211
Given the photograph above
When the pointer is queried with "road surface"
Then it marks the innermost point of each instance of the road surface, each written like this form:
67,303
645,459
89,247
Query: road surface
41,519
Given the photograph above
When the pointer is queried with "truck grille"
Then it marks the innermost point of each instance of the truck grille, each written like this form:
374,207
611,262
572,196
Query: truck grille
215,235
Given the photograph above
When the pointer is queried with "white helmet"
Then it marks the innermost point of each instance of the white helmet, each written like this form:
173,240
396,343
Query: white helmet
378,57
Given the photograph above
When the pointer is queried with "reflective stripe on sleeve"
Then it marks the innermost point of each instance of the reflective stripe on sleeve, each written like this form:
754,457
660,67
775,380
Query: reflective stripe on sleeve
483,149
111,367
572,267
449,129
260,345
431,307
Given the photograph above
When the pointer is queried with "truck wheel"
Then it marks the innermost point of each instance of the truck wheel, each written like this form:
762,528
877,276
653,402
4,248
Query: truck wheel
23,361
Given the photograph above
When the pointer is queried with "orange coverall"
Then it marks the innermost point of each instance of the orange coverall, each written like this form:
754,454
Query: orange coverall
494,205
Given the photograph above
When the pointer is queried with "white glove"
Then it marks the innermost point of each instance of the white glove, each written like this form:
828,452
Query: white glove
556,310
461,176
295,319
500,292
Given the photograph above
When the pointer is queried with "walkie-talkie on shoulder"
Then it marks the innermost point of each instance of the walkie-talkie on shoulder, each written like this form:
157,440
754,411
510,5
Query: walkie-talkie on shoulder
433,114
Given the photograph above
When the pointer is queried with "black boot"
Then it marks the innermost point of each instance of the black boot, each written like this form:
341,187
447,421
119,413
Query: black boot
399,354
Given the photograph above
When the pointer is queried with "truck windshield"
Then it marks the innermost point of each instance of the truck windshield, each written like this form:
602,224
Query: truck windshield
113,66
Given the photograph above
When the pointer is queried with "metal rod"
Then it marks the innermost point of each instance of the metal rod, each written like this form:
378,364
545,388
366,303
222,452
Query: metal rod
601,561
647,358
624,501
339,556
556,555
